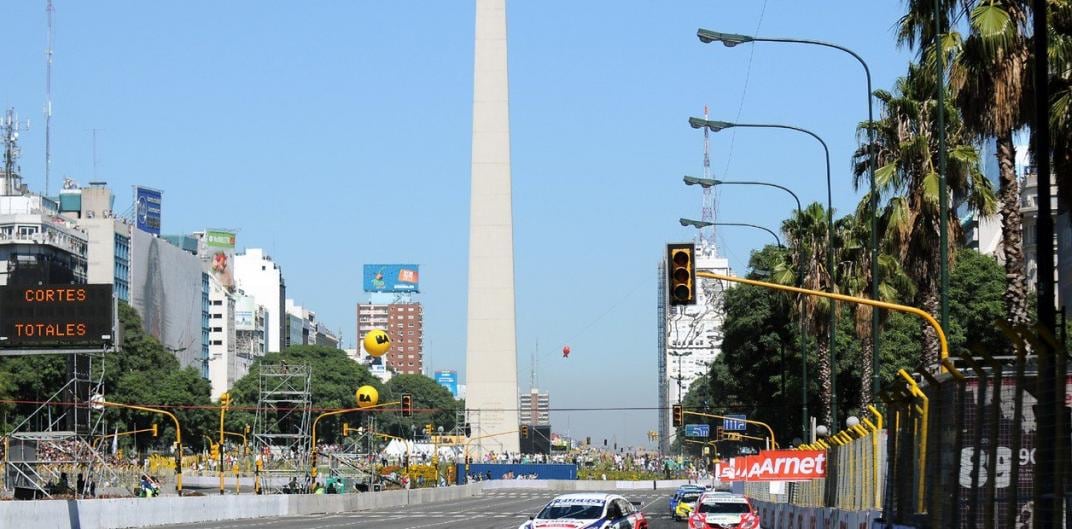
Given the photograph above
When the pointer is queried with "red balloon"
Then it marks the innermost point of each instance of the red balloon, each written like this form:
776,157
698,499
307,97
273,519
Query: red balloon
565,351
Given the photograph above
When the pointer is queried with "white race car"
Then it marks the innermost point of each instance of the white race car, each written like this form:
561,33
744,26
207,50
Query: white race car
588,511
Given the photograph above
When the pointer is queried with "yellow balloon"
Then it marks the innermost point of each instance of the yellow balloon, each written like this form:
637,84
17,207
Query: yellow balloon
377,342
367,396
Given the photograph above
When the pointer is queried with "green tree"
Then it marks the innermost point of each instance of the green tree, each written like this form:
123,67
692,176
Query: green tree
433,404
906,154
976,289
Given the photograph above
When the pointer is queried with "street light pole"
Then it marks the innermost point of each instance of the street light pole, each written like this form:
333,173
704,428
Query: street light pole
706,182
699,224
716,126
730,40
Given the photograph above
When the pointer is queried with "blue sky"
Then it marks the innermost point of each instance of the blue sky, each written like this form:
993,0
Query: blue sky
338,133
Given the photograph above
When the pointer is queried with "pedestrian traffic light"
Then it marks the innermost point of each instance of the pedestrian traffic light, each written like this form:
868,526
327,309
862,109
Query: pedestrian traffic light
155,430
524,431
345,429
678,415
681,273
407,405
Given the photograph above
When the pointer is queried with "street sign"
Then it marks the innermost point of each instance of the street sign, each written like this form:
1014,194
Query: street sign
734,423
697,430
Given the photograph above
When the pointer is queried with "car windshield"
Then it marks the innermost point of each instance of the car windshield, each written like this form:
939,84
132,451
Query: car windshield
581,511
690,497
723,508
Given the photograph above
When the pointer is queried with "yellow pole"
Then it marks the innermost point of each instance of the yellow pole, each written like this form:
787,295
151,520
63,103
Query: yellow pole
178,434
914,388
774,442
874,456
223,409
841,297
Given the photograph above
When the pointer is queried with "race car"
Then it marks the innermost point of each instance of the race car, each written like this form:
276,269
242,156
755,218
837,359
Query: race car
685,504
588,511
672,505
723,511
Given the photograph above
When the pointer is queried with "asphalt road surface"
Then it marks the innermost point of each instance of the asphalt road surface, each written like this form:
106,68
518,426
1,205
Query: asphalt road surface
501,509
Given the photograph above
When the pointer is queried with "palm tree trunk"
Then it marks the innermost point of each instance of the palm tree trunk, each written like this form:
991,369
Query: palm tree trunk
931,345
1012,232
867,350
825,387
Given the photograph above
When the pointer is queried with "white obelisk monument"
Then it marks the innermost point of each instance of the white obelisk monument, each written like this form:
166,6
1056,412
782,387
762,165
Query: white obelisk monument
491,351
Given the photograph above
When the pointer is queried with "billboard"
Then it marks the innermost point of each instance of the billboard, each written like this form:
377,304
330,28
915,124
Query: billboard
147,206
218,255
56,316
245,314
392,278
449,380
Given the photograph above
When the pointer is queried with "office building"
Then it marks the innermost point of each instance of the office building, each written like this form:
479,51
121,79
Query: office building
690,336
260,277
404,323
534,408
224,364
108,250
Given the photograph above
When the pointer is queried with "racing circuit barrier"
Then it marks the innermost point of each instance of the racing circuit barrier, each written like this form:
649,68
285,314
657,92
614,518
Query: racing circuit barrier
956,450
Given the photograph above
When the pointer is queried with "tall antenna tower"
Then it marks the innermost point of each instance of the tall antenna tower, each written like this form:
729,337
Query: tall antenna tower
708,212
9,127
48,99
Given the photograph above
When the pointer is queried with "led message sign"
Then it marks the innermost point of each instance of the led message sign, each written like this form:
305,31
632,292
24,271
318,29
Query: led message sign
56,316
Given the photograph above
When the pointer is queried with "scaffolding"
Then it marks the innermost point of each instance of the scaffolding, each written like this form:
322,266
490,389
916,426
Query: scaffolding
281,432
51,452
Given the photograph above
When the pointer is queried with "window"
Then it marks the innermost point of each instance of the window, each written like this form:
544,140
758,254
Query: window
217,342
217,316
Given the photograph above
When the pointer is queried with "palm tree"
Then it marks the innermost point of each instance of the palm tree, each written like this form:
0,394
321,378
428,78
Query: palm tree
989,79
806,234
1061,102
854,279
906,154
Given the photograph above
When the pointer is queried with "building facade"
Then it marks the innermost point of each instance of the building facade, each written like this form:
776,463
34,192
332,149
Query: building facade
249,327
224,364
260,277
404,322
690,336
534,408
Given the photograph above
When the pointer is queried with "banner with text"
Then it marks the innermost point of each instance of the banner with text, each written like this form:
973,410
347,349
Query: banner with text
219,246
775,465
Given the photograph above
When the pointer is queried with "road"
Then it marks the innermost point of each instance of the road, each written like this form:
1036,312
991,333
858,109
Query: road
500,509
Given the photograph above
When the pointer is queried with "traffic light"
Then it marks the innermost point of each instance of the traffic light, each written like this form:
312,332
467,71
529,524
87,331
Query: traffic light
155,430
524,431
345,429
718,432
681,273
215,451
407,405
678,415
428,429
468,430
588,440
225,400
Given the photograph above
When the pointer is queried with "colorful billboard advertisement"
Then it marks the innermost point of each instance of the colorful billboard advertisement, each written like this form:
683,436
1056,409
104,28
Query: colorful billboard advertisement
219,256
147,209
449,380
245,313
392,278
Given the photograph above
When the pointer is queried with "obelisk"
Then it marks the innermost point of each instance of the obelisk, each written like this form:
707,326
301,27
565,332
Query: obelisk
491,351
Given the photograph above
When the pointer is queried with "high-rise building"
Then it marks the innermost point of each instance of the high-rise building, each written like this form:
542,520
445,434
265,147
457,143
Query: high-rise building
690,336
404,322
108,252
225,366
534,408
258,276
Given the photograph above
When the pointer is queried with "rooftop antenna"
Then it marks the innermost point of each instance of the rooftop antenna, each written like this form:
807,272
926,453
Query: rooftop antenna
48,99
9,128
708,212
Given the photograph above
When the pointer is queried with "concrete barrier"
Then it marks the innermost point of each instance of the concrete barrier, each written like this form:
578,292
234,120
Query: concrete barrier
786,516
580,485
145,512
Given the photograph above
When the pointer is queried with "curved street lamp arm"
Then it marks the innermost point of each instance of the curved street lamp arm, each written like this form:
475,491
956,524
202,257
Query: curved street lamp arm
800,210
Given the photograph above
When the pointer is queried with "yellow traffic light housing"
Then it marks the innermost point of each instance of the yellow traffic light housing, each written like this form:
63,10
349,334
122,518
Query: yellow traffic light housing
407,405
524,431
678,415
345,429
428,429
225,400
156,431
681,273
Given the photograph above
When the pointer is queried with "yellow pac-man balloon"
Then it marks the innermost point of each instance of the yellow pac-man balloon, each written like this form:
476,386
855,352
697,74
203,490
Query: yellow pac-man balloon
367,396
377,343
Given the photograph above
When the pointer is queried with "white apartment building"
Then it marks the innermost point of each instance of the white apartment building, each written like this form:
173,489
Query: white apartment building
224,364
258,276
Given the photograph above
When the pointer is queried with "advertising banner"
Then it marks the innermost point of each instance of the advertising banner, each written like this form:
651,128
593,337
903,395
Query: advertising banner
391,278
775,465
147,206
449,380
245,314
219,252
